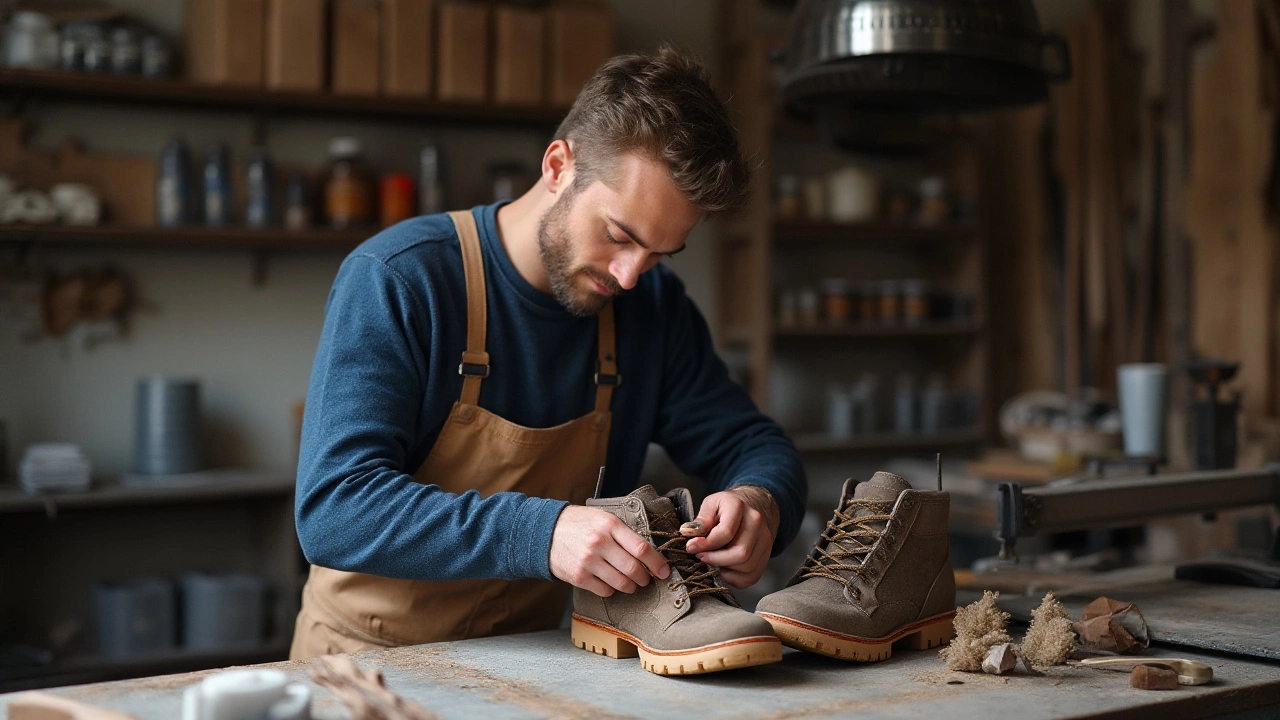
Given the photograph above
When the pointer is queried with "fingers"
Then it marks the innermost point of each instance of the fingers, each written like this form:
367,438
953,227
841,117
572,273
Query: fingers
596,551
722,513
746,573
646,557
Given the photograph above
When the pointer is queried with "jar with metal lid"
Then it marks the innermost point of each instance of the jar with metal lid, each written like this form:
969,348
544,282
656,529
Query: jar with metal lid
915,301
157,59
890,302
31,41
126,52
348,185
837,307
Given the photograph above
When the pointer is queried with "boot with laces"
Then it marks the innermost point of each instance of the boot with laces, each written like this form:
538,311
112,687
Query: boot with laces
684,625
879,574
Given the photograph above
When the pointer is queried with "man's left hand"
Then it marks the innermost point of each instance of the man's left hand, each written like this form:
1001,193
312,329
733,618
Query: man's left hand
741,523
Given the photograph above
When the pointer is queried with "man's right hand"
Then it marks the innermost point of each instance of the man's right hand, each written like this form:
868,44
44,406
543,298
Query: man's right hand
596,551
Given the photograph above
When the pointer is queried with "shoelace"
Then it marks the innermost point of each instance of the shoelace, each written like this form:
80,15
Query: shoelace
849,540
699,577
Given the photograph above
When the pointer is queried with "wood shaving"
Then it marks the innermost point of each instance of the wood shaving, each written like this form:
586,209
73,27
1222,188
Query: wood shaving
1050,640
979,627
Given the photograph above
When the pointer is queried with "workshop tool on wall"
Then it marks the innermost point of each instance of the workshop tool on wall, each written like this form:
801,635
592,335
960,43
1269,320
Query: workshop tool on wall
1189,672
1214,418
247,695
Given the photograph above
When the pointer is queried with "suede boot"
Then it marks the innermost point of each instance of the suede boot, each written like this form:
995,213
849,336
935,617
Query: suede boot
684,625
879,574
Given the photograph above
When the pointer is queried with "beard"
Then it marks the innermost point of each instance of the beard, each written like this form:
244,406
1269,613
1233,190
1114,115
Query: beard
556,249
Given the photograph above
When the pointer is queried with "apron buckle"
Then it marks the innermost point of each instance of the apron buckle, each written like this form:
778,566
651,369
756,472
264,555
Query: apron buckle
476,369
612,380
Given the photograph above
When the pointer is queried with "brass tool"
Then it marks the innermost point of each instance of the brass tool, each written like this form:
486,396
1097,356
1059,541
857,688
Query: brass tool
1189,672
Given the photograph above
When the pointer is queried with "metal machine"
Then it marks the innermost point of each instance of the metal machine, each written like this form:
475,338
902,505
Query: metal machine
1082,504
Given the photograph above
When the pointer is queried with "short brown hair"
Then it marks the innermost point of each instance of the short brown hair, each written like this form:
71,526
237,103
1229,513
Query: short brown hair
661,104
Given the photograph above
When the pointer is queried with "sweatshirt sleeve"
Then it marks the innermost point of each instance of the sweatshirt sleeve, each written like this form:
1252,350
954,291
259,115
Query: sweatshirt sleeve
357,506
710,427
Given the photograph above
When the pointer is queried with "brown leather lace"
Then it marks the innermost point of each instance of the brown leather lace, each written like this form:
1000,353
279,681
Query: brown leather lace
698,577
849,540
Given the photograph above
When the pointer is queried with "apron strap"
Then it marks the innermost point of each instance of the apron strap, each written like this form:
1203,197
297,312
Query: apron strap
607,377
475,361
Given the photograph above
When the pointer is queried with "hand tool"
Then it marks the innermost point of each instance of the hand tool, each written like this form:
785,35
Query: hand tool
1189,672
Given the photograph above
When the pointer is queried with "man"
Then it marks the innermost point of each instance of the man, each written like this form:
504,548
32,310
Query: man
478,369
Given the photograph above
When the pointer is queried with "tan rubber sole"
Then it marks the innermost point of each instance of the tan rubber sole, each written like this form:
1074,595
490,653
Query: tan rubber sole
920,635
612,642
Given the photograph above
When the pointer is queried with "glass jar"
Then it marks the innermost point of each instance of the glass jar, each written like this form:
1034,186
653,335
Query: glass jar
788,197
157,60
126,52
217,185
31,42
260,210
915,301
430,182
837,306
395,198
890,302
348,185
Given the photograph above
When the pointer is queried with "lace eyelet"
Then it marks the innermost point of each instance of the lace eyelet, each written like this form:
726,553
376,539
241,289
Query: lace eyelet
679,603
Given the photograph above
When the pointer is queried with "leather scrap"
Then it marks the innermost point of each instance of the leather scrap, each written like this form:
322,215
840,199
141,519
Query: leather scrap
1108,625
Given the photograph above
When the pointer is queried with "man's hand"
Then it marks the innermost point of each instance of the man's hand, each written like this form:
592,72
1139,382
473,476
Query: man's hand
596,551
741,523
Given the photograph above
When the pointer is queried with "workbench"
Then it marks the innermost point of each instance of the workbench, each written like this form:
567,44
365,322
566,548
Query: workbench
542,675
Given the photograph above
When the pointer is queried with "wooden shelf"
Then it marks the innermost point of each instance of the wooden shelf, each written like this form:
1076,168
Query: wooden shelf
209,486
823,443
192,236
882,233
86,668
180,93
935,328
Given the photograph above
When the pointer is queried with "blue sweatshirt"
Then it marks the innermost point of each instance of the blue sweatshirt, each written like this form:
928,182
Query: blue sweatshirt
385,378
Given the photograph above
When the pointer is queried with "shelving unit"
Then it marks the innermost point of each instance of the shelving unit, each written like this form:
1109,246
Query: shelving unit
23,85
191,236
53,547
790,367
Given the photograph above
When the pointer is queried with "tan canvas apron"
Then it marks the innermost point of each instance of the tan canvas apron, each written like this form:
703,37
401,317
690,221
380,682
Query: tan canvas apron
476,449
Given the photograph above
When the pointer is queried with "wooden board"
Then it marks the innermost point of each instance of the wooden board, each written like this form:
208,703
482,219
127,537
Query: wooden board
541,675
1219,618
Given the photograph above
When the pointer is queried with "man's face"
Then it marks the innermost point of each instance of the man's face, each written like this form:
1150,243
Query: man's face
595,241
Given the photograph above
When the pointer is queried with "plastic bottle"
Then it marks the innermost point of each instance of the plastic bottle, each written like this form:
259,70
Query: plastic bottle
348,186
430,182
260,209
297,209
173,192
217,185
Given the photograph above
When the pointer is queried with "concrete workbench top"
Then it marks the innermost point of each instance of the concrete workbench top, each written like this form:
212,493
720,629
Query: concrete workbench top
542,675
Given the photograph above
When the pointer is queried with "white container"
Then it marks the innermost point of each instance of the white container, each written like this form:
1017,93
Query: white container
853,195
1142,408
31,42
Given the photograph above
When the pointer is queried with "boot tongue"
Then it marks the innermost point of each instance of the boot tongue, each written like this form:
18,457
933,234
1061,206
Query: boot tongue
655,506
882,487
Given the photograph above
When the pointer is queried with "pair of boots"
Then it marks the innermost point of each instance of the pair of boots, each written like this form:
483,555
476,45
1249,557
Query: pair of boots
879,574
